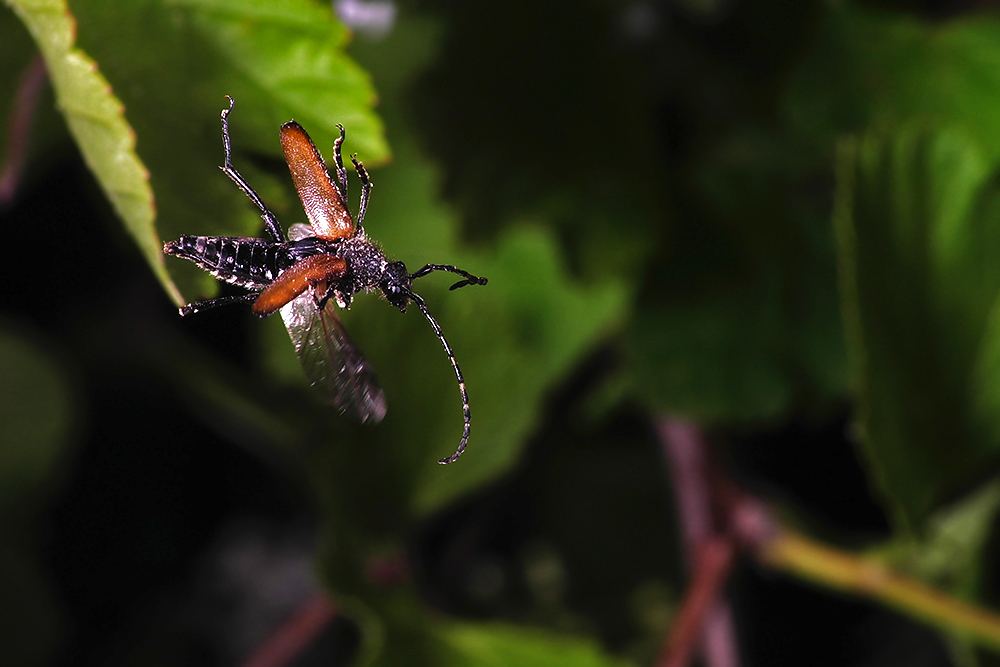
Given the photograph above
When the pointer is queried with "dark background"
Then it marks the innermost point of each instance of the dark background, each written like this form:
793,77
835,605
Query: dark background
652,140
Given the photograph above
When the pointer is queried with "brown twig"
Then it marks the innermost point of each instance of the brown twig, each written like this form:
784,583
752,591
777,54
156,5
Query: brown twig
720,521
711,569
295,634
704,615
29,92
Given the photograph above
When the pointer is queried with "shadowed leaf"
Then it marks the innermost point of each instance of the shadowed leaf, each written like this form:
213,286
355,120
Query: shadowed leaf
96,119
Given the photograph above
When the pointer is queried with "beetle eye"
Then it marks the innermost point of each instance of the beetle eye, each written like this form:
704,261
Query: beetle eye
394,284
394,294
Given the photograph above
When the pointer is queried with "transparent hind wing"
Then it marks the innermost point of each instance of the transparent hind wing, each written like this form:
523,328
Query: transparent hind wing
298,231
331,360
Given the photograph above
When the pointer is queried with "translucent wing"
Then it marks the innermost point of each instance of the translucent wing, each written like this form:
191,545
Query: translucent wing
298,231
331,360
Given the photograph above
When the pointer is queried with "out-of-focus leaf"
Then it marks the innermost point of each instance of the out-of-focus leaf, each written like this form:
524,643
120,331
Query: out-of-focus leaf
739,319
870,66
293,52
715,359
172,62
544,130
918,224
951,555
96,119
743,322
35,418
500,645
522,337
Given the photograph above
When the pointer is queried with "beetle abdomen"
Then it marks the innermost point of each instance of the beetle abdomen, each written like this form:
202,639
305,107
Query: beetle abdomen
243,261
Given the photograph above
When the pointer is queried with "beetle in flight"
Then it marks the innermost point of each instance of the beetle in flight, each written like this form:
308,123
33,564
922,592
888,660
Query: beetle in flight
317,266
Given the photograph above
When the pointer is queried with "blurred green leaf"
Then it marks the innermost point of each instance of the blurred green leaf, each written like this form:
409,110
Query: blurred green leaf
711,360
918,224
524,336
35,418
96,119
951,556
500,645
871,66
739,319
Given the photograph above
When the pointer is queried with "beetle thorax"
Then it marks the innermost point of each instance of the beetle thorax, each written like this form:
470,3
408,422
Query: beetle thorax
365,265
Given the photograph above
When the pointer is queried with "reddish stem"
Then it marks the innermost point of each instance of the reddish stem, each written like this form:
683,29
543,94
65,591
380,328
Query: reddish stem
684,447
714,562
29,92
295,634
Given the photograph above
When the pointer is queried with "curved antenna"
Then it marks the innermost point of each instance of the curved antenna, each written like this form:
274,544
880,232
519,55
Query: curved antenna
458,374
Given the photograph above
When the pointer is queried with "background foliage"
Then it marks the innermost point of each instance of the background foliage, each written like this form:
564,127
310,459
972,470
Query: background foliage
778,222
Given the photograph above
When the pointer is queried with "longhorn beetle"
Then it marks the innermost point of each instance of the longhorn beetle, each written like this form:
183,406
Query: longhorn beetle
317,266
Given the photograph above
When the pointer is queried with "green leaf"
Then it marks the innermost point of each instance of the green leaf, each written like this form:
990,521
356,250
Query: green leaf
716,359
878,67
523,336
500,645
96,120
952,554
739,320
918,224
915,236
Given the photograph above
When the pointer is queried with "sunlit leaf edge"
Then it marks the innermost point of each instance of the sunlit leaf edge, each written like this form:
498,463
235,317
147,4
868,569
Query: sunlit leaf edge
96,119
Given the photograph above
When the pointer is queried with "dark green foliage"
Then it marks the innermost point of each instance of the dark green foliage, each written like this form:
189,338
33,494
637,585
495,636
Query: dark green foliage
737,213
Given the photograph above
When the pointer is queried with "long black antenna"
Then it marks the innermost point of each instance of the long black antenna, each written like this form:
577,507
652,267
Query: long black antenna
458,374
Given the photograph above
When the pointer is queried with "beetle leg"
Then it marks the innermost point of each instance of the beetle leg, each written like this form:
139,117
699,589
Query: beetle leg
200,306
366,188
270,222
339,161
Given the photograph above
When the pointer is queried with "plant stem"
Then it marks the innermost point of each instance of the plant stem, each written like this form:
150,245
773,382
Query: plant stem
866,577
705,616
29,92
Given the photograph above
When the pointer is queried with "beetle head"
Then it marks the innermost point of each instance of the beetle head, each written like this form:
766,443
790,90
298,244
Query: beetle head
395,285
